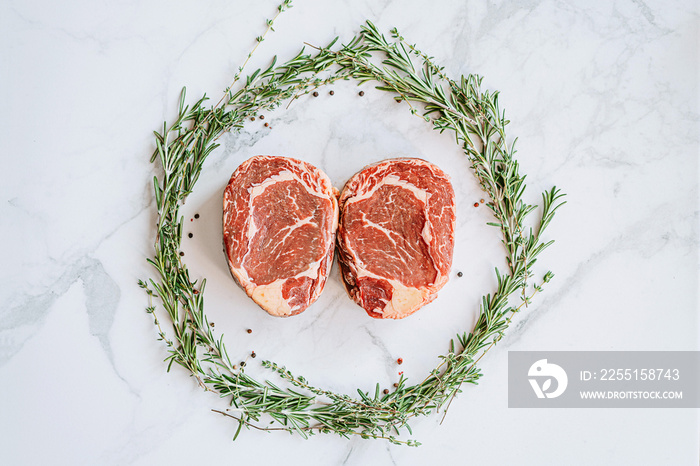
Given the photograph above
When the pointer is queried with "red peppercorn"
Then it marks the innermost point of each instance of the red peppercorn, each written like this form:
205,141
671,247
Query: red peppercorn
267,124
399,361
476,204
250,330
386,391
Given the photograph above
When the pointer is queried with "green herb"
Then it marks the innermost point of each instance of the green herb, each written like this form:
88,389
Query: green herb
461,106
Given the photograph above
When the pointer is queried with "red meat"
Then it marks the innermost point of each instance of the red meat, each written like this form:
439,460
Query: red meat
396,236
280,220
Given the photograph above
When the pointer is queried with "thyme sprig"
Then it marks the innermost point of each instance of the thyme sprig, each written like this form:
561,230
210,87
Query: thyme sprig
462,107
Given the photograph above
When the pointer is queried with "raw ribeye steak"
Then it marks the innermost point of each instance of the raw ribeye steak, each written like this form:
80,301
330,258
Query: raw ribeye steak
280,220
396,236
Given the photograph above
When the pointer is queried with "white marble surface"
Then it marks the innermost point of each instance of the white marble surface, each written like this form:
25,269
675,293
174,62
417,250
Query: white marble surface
602,95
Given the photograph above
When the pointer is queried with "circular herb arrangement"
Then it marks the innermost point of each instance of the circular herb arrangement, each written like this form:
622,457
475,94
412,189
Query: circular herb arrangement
479,128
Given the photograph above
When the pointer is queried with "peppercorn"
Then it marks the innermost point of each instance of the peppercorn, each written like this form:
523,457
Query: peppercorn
332,92
482,201
362,93
196,215
386,391
396,385
267,124
190,235
315,94
182,253
262,117
459,274
252,118
252,355
476,204
399,361
242,363
212,324
250,330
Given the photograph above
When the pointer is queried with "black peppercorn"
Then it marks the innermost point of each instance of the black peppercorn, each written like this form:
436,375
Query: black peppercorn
332,92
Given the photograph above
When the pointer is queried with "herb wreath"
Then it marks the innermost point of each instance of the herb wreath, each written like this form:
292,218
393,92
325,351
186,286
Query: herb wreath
479,128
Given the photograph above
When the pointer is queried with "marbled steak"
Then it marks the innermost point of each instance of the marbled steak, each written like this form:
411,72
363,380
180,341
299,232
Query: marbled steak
396,236
280,220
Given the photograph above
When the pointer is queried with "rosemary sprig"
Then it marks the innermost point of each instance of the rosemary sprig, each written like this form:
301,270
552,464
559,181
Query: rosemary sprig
478,124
